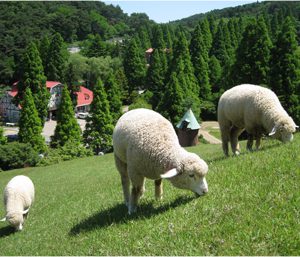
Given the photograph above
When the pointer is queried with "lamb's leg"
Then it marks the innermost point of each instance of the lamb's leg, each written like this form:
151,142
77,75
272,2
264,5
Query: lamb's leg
122,168
234,135
158,189
137,191
250,142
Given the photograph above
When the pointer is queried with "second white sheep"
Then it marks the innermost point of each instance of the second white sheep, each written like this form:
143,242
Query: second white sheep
146,146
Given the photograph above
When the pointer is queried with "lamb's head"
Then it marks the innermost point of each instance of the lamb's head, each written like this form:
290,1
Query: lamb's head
190,174
16,219
284,129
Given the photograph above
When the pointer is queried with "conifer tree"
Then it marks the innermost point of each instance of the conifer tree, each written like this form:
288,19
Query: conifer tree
99,128
181,64
215,73
207,35
67,128
71,81
96,47
253,55
3,139
44,46
56,59
285,73
113,97
34,78
172,104
158,38
134,66
144,38
30,128
155,78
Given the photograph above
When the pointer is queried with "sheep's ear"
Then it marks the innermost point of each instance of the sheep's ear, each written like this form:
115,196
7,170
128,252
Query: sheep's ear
4,219
26,211
296,126
169,174
273,131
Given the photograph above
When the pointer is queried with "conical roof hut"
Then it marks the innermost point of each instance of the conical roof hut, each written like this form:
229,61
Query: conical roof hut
188,129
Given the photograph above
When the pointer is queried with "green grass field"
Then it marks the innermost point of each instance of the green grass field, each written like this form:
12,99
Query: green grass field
252,208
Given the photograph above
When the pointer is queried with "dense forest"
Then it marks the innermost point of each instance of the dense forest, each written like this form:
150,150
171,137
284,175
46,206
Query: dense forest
189,63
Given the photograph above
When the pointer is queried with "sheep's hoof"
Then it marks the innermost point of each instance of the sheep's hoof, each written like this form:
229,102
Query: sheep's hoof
131,210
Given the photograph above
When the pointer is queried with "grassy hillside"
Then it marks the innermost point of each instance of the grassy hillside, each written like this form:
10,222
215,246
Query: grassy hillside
252,208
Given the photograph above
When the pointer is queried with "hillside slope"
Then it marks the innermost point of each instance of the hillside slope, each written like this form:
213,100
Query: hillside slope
252,208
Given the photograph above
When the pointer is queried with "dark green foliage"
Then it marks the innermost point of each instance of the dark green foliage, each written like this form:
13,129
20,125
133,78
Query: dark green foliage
141,101
67,128
215,72
30,128
155,78
158,38
33,77
17,155
44,46
114,98
64,153
99,128
122,82
95,47
56,59
182,66
253,55
207,35
71,81
134,66
3,139
285,73
199,57
172,105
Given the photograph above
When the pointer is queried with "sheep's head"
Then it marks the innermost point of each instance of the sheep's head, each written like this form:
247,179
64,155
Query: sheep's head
284,130
16,219
190,174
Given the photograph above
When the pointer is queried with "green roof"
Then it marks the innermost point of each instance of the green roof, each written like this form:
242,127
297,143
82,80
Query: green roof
189,118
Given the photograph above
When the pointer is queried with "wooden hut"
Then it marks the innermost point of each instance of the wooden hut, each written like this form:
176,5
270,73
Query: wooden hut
188,129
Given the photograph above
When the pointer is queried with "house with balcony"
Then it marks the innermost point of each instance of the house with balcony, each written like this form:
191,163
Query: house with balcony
11,113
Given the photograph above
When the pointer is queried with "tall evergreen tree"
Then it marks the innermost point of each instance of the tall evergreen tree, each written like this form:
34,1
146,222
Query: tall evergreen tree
95,47
253,55
158,38
181,64
172,104
34,78
285,73
215,73
134,67
30,128
144,38
155,78
71,81
207,35
67,128
44,46
113,97
56,59
99,128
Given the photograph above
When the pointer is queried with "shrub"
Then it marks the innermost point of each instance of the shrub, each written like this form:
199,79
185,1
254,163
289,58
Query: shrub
67,152
17,155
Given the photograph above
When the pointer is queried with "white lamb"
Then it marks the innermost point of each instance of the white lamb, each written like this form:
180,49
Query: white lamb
255,109
18,197
146,146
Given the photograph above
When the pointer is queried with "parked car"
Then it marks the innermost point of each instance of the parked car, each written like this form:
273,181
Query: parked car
82,115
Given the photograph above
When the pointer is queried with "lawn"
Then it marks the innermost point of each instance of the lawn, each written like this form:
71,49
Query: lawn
252,208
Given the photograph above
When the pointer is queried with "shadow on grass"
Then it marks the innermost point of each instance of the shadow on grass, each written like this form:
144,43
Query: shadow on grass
6,231
118,214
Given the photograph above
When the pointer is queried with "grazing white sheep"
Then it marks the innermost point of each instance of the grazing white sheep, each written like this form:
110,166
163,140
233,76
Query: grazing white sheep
255,109
146,146
18,197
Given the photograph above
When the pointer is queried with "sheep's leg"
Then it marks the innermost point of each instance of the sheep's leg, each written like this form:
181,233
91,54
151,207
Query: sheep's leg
257,143
137,191
122,168
158,189
250,142
234,135
225,138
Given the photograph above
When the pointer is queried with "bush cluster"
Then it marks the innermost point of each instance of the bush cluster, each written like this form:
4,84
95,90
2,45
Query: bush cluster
17,155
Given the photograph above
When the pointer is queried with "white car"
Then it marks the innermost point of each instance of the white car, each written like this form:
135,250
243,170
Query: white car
82,115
